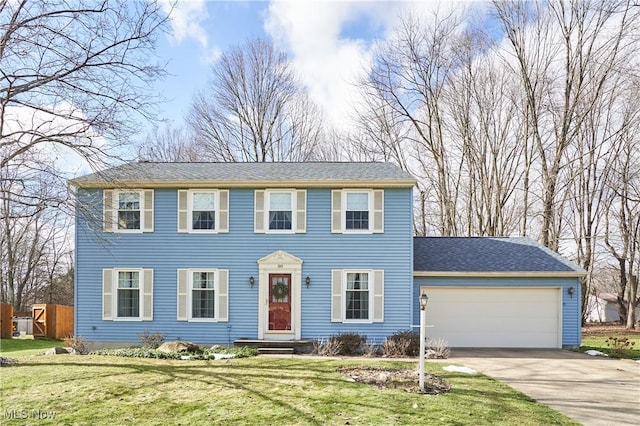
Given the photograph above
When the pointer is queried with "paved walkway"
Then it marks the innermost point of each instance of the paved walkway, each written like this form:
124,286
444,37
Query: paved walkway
591,390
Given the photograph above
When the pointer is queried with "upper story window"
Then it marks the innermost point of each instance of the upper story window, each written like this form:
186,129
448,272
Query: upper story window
203,210
280,211
128,210
357,211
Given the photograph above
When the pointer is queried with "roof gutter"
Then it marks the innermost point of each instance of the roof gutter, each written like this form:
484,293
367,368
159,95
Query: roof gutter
501,274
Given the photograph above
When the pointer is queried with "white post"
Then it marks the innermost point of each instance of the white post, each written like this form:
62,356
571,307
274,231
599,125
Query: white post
423,320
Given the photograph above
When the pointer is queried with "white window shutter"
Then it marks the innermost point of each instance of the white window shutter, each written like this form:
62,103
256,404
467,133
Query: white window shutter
183,210
301,211
107,210
378,295
183,289
222,299
378,211
223,209
259,211
148,210
107,294
336,211
336,295
147,294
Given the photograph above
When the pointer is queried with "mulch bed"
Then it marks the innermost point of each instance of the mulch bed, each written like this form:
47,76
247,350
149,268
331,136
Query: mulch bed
389,378
611,329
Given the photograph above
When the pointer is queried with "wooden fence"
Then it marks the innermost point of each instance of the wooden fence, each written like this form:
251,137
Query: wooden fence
52,321
6,321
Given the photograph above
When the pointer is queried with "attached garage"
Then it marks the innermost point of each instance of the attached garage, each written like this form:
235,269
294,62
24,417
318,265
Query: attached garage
497,293
495,317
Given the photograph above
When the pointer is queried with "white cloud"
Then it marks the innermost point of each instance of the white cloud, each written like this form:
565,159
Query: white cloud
329,61
186,18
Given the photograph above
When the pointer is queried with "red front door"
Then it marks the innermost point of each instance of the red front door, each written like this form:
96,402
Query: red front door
279,302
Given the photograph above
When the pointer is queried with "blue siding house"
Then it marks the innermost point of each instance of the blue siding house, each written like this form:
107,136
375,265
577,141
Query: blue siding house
215,252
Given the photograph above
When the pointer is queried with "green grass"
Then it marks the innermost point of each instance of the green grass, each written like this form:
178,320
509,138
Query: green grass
598,342
18,347
96,389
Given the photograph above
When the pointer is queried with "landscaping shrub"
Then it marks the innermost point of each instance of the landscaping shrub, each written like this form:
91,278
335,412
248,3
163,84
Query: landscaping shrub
438,349
350,343
405,343
239,352
151,340
78,344
328,347
618,346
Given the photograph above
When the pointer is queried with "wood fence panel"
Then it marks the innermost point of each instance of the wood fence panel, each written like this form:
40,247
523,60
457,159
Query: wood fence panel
52,321
6,321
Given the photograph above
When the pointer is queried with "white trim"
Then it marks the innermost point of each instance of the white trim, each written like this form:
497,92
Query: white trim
279,262
370,283
501,274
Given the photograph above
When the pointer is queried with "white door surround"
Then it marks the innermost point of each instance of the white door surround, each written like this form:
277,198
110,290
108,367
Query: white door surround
279,262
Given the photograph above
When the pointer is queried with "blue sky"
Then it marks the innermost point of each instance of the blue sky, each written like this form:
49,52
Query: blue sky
329,43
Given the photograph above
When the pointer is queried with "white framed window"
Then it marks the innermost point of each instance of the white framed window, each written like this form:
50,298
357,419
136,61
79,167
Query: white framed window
127,294
280,211
357,295
203,295
356,211
203,211
128,211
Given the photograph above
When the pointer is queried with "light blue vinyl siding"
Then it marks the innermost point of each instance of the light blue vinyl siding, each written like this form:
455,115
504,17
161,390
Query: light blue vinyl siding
571,326
165,251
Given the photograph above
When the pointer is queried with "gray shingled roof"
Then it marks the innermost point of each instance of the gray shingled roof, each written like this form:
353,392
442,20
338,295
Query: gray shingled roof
149,173
486,254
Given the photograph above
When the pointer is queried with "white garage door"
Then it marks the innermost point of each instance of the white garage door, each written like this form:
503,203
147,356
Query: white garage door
495,317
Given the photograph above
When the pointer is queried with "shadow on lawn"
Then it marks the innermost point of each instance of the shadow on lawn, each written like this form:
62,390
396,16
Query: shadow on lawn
264,379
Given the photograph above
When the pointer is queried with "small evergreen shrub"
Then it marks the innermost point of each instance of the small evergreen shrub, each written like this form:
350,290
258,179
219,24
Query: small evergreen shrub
350,343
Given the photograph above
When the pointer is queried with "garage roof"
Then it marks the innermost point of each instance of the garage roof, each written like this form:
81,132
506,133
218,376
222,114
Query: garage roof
489,256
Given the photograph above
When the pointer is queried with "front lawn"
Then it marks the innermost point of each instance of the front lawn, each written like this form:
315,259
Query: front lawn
609,338
98,389
18,347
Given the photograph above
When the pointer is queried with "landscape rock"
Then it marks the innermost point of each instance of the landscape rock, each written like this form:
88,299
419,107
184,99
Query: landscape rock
60,351
178,346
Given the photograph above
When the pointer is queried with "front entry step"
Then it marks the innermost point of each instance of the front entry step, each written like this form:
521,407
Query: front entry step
276,351
290,346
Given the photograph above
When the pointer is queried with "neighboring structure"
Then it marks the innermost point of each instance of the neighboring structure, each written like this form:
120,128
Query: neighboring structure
604,307
214,252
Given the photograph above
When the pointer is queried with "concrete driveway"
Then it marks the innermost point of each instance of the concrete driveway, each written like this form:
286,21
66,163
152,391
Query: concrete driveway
590,390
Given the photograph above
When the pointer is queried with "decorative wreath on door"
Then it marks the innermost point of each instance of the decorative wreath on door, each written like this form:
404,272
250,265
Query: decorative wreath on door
279,291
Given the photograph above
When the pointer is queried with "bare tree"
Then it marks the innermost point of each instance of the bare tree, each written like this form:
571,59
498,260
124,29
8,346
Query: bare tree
74,76
564,54
255,109
170,144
